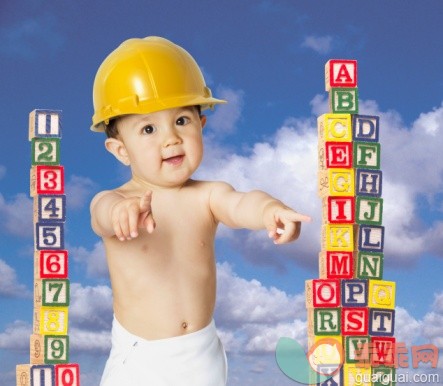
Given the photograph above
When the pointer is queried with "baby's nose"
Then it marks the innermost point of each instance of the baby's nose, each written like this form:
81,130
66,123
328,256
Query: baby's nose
171,138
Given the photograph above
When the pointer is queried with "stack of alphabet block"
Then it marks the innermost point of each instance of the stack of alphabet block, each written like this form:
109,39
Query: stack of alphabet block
350,302
49,342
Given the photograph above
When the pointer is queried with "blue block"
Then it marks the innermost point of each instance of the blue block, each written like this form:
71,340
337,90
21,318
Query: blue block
365,128
368,182
51,208
45,124
49,235
43,375
381,322
371,238
354,293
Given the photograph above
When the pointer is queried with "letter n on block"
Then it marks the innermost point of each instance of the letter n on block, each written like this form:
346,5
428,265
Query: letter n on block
382,351
381,322
322,293
354,321
381,294
336,265
369,265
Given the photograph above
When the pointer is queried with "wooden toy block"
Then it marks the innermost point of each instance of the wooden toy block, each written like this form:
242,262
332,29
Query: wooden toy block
340,73
369,265
55,292
354,321
317,340
67,374
338,210
356,375
354,293
47,180
45,123
49,236
23,375
381,322
336,265
357,349
36,320
325,356
371,238
45,151
382,351
326,321
343,100
54,320
53,264
366,155
322,293
368,182
42,375
383,376
336,182
338,237
365,128
38,293
335,155
369,210
56,349
36,349
381,294
334,128
50,208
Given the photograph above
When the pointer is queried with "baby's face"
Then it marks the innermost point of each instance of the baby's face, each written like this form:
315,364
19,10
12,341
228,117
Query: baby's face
163,148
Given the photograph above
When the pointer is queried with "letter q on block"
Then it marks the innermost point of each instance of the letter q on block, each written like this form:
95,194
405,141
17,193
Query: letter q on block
381,294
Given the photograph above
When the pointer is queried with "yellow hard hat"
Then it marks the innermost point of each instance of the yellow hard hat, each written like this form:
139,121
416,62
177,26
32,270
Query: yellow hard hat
143,76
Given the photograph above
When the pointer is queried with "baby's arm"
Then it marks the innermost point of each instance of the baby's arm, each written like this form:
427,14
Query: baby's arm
255,210
112,214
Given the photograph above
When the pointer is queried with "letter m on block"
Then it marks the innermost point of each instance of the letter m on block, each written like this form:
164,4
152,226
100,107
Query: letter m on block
339,265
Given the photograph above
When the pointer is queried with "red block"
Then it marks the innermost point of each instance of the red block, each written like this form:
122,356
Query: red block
338,154
322,293
339,209
67,374
354,321
340,73
382,351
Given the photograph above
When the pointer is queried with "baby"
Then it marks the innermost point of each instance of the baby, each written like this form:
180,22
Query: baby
159,228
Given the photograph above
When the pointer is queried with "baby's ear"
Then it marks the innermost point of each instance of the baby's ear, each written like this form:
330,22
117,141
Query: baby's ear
118,149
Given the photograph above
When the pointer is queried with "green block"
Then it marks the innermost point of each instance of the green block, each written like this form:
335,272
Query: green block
369,265
55,292
369,210
327,321
343,100
357,349
366,155
56,349
383,376
45,151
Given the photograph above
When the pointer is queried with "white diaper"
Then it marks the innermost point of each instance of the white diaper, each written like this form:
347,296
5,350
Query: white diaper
195,359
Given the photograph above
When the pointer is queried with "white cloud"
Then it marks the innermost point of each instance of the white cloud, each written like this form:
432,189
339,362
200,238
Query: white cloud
16,336
9,285
79,191
17,215
95,260
320,44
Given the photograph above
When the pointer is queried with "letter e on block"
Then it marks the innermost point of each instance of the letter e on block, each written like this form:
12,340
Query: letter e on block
340,73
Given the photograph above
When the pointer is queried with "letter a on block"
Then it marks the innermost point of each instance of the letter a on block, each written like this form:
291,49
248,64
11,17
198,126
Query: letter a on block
340,73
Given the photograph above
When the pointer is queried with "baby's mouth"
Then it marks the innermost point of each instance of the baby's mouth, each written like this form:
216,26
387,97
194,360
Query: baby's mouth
176,160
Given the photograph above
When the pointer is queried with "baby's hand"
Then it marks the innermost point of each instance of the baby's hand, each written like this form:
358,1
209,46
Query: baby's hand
130,214
285,225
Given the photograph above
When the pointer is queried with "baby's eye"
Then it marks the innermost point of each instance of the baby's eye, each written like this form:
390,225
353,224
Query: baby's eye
148,129
182,121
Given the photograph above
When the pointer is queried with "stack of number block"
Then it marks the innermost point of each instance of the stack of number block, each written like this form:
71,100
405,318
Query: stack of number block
350,302
49,343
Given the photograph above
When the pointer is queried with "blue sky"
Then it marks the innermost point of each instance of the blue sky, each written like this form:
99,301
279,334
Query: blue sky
267,58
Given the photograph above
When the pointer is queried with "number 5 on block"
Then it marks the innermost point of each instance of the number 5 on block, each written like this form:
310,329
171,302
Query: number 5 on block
49,236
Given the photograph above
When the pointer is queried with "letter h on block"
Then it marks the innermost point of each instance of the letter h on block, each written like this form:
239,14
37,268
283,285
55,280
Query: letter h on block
322,293
368,182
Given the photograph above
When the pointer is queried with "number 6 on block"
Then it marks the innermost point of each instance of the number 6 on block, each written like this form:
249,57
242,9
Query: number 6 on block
53,264
54,320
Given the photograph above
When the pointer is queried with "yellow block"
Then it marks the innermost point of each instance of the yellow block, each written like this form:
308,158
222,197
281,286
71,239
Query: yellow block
335,127
338,237
381,294
54,320
354,375
336,182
